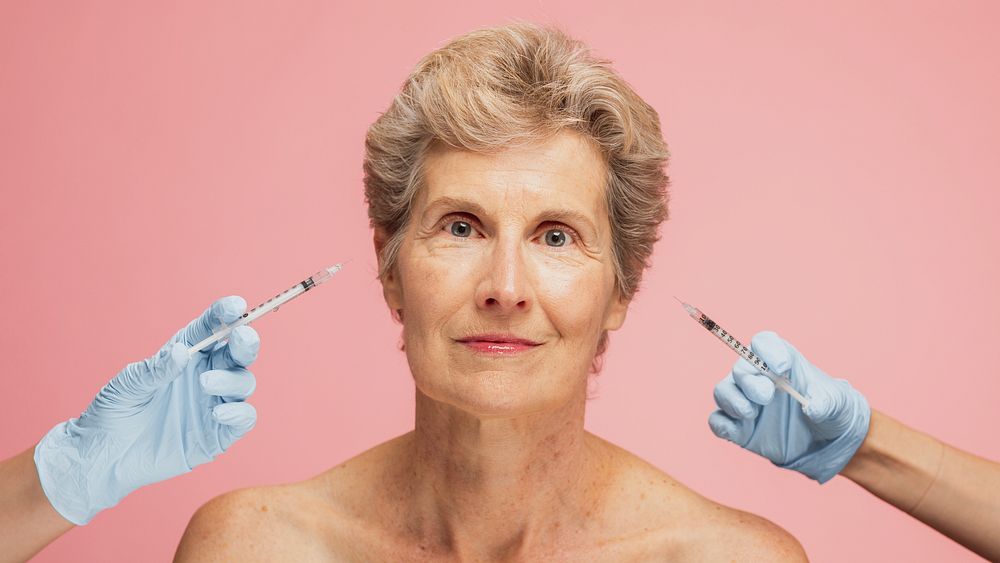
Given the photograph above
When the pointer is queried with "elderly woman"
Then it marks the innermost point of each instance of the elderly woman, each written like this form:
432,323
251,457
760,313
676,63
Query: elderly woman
515,187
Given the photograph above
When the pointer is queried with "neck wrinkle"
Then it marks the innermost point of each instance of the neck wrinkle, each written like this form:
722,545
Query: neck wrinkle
498,488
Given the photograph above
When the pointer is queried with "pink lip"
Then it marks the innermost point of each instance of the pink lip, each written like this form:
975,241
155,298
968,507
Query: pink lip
498,344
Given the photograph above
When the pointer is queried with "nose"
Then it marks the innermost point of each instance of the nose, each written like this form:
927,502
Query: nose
504,286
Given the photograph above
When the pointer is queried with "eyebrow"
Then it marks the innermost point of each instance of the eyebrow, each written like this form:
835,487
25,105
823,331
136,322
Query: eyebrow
568,216
456,203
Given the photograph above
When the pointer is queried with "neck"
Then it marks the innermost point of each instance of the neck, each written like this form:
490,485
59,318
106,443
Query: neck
493,488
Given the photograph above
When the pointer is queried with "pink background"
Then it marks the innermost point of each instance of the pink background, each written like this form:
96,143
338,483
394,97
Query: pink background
835,179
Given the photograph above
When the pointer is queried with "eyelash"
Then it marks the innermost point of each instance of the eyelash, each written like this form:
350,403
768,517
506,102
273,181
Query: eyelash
452,217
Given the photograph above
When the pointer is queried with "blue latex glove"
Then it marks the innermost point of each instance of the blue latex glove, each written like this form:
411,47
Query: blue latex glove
158,418
817,441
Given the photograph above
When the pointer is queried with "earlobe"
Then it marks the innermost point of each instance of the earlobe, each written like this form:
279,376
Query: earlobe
391,291
616,314
392,294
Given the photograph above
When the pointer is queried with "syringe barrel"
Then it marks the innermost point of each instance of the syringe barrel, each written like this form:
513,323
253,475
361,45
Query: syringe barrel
737,346
747,354
271,304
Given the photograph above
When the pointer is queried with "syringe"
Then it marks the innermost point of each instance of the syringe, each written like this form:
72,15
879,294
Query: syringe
266,307
744,352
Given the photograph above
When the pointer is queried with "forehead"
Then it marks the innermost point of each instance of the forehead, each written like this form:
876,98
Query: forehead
563,172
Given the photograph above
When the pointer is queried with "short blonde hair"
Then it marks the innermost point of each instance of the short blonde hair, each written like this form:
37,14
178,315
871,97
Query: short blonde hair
515,85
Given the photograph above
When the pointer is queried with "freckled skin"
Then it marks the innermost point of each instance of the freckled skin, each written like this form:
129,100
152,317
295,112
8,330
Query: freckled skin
562,296
498,466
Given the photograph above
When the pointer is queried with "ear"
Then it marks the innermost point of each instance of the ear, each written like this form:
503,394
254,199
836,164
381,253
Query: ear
617,313
391,290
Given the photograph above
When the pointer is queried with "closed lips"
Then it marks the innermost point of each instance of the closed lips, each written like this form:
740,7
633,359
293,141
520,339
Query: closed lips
499,339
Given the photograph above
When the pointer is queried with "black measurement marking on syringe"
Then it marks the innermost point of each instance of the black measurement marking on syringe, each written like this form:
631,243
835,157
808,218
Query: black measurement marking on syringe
737,345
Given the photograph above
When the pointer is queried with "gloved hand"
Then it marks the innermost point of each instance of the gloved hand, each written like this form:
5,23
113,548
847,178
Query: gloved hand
817,441
156,419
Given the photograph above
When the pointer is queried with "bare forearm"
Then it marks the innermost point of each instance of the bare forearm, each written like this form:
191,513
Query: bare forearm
27,520
952,491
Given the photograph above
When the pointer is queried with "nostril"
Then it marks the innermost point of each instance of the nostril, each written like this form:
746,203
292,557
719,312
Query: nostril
491,301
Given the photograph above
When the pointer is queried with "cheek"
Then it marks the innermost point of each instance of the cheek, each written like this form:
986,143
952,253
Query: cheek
575,300
433,285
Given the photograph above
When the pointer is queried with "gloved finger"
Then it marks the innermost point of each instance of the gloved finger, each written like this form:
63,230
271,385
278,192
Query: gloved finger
756,386
239,351
234,384
724,426
235,420
223,311
732,401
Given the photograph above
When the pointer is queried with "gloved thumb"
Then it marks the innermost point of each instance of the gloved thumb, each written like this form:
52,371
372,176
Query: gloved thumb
834,405
141,379
828,398
773,349
169,363
822,405
162,368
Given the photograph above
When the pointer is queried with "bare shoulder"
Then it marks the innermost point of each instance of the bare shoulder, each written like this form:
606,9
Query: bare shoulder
673,522
742,536
326,518
256,524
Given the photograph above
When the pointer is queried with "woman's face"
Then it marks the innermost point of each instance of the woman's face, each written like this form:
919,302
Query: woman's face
505,277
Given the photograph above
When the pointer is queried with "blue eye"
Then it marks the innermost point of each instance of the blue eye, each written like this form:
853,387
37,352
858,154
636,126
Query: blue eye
555,237
461,229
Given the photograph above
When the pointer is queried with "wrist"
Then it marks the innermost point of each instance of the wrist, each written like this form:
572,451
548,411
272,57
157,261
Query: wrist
64,475
895,463
28,521
871,454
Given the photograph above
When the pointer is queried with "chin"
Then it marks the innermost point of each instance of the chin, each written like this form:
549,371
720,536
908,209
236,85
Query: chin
496,395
